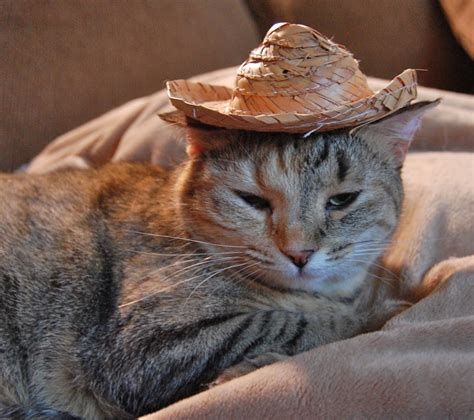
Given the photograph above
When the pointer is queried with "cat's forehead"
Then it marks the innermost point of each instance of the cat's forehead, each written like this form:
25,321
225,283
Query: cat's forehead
290,162
290,150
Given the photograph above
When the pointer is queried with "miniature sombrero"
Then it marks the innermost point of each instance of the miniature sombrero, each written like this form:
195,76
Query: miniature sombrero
296,81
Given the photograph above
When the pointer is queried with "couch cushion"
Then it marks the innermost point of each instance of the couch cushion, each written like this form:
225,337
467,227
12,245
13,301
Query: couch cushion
64,63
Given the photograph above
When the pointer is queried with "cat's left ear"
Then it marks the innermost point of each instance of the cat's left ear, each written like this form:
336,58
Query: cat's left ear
199,137
203,138
397,130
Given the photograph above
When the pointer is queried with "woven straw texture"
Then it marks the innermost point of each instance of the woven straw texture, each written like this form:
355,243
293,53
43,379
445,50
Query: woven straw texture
297,80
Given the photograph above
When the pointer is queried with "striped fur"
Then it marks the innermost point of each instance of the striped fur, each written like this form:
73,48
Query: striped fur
125,289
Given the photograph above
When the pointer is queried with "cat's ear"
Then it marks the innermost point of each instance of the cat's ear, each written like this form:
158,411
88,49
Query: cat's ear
199,137
397,130
202,138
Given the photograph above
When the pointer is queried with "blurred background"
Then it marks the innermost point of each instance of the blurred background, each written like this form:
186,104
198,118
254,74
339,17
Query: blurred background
65,62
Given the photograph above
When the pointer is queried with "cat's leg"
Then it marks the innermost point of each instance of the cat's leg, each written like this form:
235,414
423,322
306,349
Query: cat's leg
370,321
145,367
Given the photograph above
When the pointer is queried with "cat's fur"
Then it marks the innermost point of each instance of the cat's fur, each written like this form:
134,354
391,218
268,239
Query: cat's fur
126,288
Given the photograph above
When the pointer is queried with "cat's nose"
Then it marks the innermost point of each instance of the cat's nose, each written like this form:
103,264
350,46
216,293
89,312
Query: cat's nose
299,258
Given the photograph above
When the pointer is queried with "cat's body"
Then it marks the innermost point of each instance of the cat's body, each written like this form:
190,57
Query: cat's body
126,288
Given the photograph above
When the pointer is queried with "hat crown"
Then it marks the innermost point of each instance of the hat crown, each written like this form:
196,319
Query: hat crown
297,69
296,81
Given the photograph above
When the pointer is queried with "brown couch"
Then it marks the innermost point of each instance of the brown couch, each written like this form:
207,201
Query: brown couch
64,63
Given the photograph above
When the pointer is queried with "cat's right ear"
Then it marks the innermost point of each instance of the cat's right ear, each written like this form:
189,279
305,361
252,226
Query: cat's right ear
395,132
199,137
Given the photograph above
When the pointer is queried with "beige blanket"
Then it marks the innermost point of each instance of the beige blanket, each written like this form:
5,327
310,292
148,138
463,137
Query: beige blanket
421,364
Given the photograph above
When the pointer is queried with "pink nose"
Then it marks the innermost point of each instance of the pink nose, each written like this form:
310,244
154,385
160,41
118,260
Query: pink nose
299,258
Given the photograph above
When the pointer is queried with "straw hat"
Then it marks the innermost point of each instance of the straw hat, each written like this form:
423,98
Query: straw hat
296,81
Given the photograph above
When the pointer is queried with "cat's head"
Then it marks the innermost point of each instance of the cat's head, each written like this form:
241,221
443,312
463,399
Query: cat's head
292,212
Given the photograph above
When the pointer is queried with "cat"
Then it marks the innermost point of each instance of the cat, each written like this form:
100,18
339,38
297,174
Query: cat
126,288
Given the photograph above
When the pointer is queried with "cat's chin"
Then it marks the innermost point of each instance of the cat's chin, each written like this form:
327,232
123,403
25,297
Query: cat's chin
328,284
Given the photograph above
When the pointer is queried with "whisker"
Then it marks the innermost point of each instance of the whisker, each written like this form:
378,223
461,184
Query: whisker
383,280
394,240
157,271
258,258
185,239
215,274
209,259
369,263
364,242
247,276
368,252
232,276
175,274
200,263
159,254
376,248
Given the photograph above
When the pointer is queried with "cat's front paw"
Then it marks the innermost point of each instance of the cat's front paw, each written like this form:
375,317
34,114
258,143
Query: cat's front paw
247,366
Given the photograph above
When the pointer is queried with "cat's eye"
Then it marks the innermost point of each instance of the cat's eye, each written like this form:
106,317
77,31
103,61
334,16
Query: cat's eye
341,201
254,201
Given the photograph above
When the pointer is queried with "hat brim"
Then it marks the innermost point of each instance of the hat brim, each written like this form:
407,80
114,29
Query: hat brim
209,104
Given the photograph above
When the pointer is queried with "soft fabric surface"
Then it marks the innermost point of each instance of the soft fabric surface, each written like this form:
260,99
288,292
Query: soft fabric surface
65,62
421,364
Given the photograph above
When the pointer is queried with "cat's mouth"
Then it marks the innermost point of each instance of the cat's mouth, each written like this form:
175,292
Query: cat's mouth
326,271
304,274
289,277
301,281
322,275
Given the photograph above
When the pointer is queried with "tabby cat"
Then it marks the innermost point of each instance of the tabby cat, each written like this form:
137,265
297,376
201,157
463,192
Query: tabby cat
126,288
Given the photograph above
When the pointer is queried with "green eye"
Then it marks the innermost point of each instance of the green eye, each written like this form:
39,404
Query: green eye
254,201
340,201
